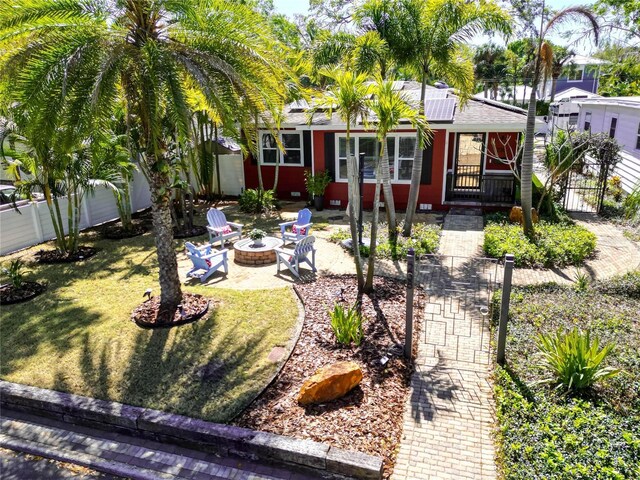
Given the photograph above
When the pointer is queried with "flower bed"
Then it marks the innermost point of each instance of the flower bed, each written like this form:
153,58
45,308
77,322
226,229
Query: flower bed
556,244
367,419
424,239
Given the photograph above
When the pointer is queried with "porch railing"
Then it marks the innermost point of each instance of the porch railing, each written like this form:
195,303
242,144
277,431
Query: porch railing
474,187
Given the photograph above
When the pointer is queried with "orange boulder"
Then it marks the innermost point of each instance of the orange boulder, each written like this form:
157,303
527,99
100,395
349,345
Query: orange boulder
330,382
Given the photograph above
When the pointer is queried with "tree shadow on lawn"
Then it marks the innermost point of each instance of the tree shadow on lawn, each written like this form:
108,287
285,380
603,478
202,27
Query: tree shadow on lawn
162,370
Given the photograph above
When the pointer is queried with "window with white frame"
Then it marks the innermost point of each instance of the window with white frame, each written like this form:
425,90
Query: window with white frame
400,149
638,138
292,155
573,73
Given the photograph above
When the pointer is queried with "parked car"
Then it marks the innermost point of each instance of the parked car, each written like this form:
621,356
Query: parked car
9,194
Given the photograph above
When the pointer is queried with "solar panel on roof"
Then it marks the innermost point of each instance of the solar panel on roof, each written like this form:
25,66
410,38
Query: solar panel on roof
439,109
435,93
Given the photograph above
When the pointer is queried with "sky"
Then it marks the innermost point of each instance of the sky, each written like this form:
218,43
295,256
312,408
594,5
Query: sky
291,7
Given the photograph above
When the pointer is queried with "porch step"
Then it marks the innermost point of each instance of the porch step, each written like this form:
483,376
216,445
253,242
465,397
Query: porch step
475,212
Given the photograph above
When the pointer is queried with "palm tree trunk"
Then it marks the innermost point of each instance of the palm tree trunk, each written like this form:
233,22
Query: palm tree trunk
526,172
368,286
355,244
258,164
416,171
389,203
170,291
554,82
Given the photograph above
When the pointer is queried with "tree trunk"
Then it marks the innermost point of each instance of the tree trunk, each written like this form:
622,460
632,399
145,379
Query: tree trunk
170,291
554,82
526,171
217,153
353,191
389,203
416,171
368,286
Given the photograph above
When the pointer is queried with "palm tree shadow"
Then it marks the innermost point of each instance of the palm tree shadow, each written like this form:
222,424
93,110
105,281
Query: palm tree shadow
429,385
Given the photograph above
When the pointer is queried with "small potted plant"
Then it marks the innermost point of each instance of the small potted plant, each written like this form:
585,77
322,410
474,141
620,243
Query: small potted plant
257,235
316,185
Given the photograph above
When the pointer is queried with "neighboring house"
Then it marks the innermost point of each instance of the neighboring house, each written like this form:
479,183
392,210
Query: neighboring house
580,72
563,113
456,168
620,118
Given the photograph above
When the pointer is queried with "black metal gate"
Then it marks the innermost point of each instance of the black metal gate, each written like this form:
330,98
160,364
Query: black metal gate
585,186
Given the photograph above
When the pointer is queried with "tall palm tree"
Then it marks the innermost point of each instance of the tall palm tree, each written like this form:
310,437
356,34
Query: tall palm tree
429,37
349,97
542,66
70,59
389,107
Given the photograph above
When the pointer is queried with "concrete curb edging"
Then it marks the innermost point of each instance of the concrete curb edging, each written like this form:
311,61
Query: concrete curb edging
190,432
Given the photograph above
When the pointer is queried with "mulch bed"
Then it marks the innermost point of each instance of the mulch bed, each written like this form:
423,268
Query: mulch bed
192,308
54,256
369,418
28,290
116,232
196,231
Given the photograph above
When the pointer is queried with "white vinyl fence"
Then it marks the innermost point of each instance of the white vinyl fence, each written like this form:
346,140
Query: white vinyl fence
31,224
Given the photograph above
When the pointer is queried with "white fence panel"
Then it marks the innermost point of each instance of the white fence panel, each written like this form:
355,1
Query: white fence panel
19,230
231,174
140,192
101,205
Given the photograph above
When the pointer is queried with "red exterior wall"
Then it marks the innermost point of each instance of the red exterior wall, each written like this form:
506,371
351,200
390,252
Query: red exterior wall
501,145
428,193
290,179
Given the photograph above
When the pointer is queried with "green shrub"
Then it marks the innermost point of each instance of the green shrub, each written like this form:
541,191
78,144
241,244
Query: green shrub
574,359
562,438
627,285
346,325
15,273
581,281
254,201
424,239
556,244
632,205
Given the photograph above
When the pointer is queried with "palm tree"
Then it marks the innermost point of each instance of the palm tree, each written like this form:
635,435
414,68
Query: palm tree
490,67
429,37
69,60
349,97
542,65
389,107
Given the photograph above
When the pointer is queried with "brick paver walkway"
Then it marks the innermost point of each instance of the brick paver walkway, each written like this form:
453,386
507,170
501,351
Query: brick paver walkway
125,456
615,254
449,416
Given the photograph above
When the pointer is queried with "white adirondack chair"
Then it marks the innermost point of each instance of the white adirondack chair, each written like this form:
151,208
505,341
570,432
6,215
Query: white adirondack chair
300,254
219,229
206,261
300,227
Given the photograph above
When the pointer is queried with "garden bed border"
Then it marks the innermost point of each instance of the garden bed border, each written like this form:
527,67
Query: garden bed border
189,432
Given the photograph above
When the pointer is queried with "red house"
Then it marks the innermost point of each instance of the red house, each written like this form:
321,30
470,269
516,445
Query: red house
459,168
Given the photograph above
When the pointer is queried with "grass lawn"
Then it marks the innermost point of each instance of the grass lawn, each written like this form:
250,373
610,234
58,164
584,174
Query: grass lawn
78,337
545,433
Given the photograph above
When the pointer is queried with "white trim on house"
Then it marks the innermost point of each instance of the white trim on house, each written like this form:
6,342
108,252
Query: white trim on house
280,153
358,135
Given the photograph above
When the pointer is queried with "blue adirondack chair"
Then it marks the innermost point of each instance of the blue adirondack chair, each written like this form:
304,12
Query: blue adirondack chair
219,229
300,254
206,261
300,227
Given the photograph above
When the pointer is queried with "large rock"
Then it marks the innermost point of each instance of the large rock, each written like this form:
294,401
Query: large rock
330,382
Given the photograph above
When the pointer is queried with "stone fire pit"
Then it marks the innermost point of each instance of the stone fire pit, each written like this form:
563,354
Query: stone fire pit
247,254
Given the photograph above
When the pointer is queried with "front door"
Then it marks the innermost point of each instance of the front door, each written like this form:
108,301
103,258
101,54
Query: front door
469,160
